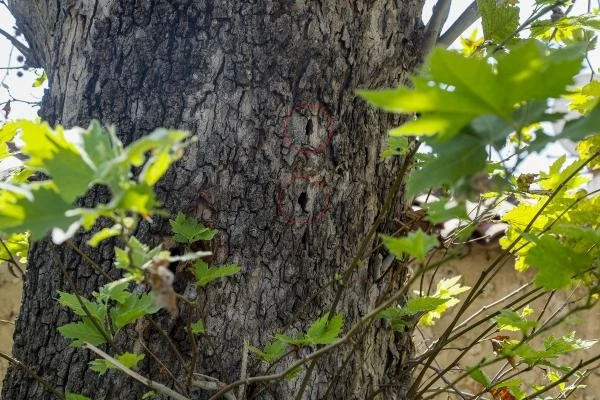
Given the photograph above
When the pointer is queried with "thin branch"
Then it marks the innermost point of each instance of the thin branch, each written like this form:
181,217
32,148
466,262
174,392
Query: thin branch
158,387
324,350
163,367
31,373
11,260
194,346
482,283
97,324
26,51
170,342
91,262
362,250
564,378
244,368
17,67
436,23
462,23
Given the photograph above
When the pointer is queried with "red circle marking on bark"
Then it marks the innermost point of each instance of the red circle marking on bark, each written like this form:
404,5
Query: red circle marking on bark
293,219
306,149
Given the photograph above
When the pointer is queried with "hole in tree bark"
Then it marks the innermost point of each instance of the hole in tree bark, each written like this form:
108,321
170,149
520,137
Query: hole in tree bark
303,201
309,127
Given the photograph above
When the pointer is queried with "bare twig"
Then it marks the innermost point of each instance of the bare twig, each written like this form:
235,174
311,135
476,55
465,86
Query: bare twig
11,259
170,342
97,324
91,262
491,270
244,368
31,373
362,250
366,319
158,387
26,51
163,367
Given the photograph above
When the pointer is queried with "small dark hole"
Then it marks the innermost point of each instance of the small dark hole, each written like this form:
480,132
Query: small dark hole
309,127
303,200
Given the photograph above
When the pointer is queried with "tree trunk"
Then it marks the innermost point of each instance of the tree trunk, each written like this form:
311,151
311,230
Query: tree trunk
286,166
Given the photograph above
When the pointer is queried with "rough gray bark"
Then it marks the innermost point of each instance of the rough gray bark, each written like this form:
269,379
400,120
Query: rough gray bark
230,71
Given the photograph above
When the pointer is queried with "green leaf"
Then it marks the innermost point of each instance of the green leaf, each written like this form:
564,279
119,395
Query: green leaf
557,263
446,289
532,112
45,212
417,305
51,152
189,230
401,317
498,20
155,168
116,290
580,128
512,321
556,177
298,342
205,274
137,198
101,145
198,327
323,332
272,351
479,376
130,360
566,344
456,159
416,244
442,111
472,78
533,71
454,90
70,301
82,332
553,348
74,396
397,317
132,308
103,234
397,146
158,140
444,210
39,81
149,394
17,246
137,256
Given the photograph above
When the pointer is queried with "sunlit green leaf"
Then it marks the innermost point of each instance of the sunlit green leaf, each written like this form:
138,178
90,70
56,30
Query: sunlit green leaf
416,244
512,321
129,360
82,332
205,274
556,263
189,230
323,331
198,327
133,308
